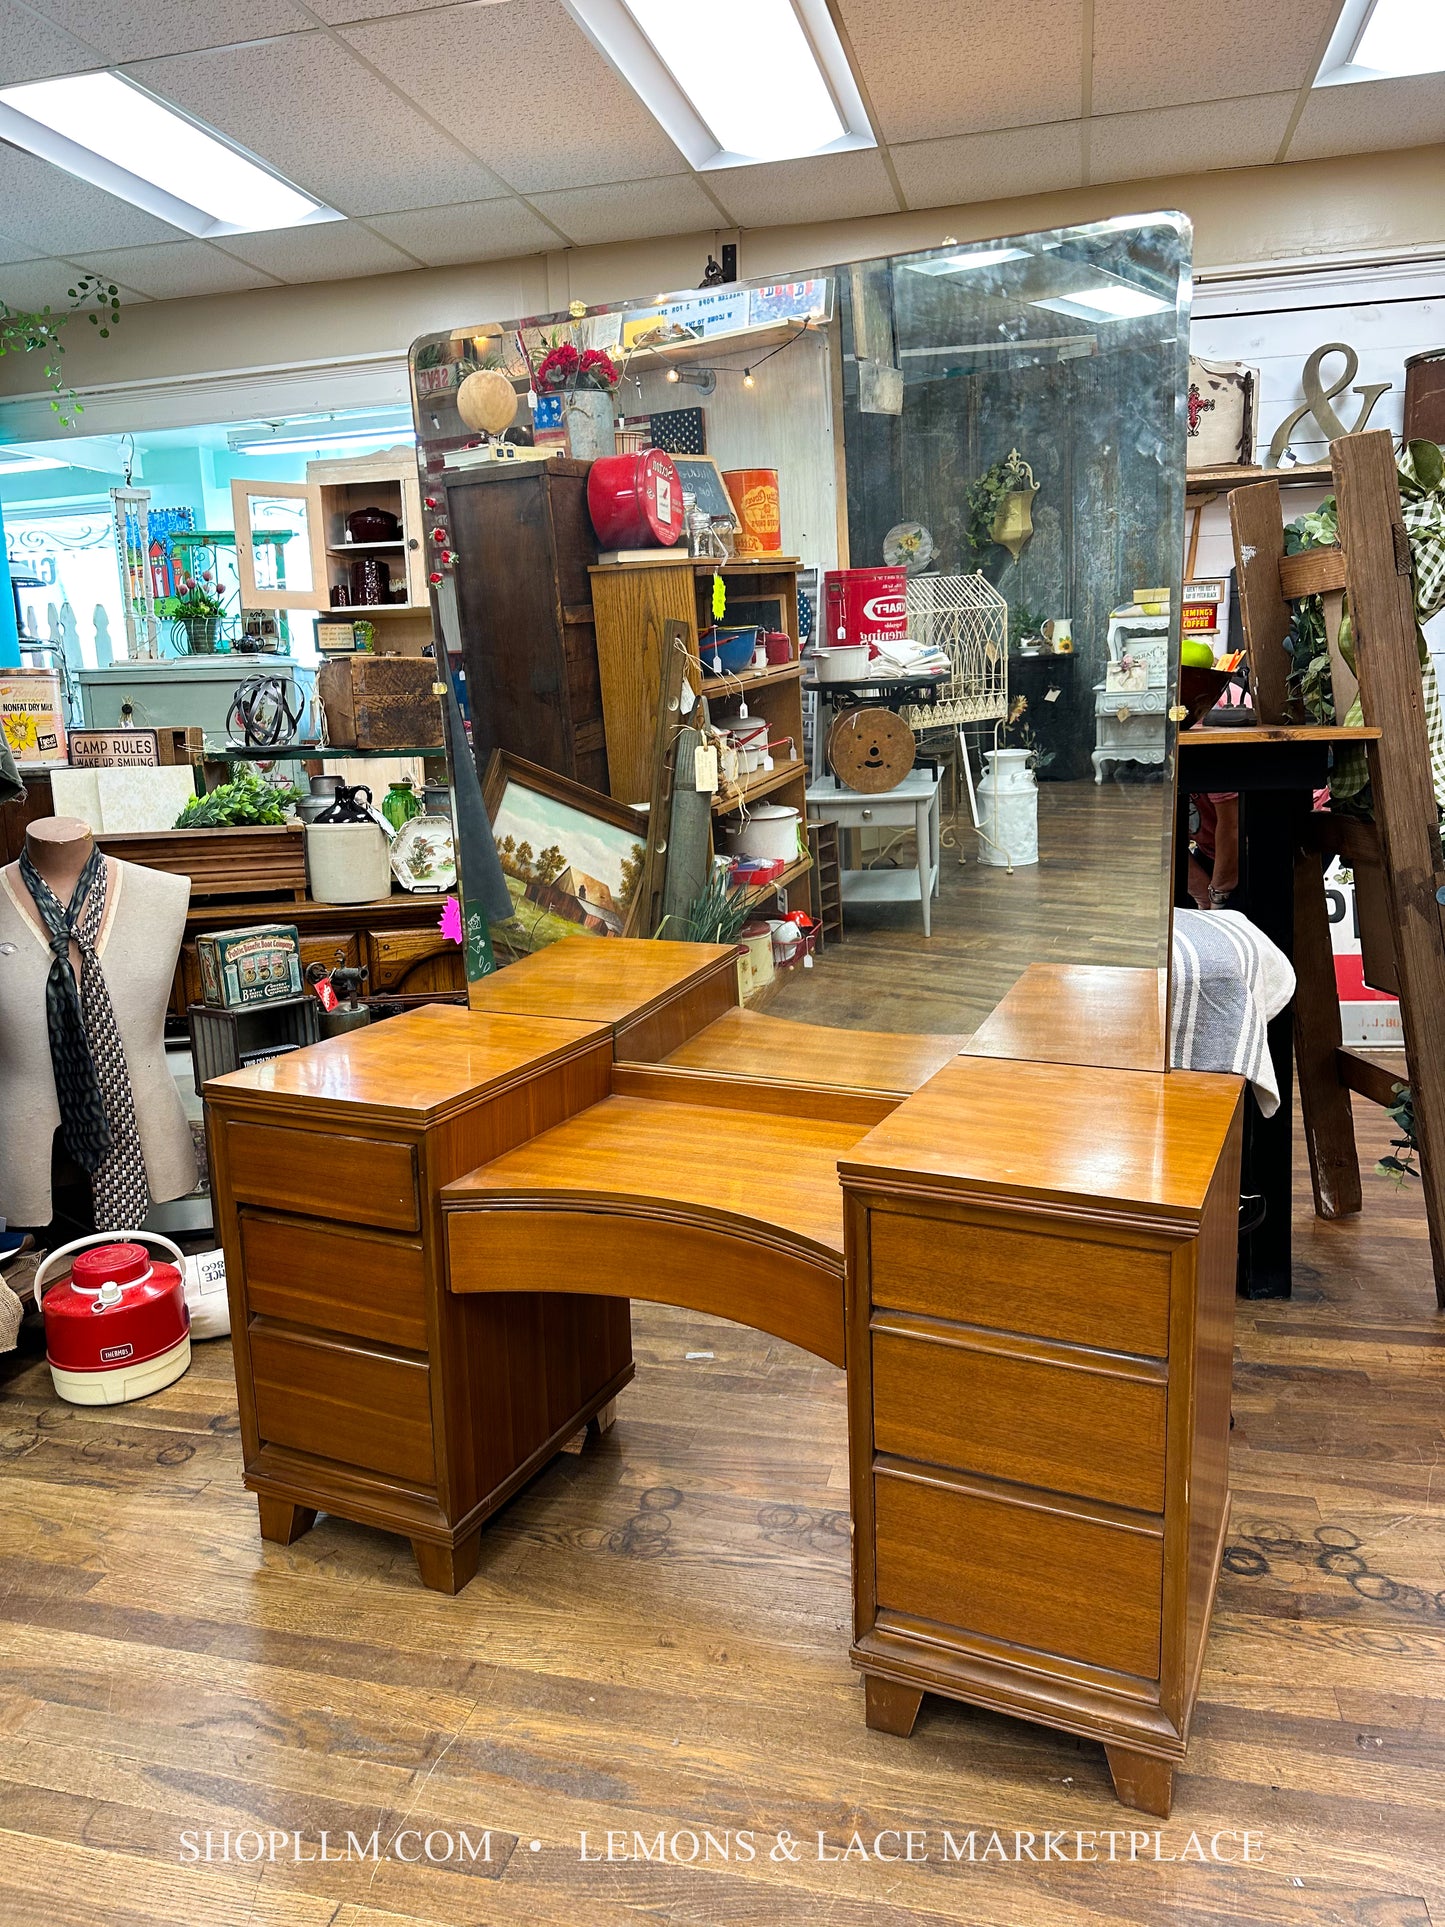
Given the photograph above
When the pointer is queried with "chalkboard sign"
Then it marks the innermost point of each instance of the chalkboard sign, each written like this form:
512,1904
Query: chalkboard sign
702,479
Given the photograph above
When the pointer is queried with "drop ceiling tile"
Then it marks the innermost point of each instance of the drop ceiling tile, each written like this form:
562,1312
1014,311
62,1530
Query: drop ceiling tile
33,49
1159,53
334,251
176,268
991,167
524,87
52,211
318,116
959,66
631,210
1188,140
829,187
1372,114
33,284
344,12
140,29
12,250
470,231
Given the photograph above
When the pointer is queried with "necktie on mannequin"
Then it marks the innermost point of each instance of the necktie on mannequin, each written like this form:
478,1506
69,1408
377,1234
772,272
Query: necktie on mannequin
92,1082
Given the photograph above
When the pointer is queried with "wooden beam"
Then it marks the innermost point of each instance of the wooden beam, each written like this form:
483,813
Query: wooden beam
1329,1126
1311,572
1368,1079
1255,520
1373,537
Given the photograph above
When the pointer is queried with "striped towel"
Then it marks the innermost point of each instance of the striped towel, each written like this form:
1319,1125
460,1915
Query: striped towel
1228,981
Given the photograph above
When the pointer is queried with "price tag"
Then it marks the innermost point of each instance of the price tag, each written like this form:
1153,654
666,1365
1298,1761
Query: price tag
704,768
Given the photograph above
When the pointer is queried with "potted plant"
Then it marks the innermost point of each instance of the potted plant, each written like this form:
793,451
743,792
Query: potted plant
28,331
1000,505
196,613
586,382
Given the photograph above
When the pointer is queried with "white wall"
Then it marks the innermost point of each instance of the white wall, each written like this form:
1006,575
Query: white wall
1275,320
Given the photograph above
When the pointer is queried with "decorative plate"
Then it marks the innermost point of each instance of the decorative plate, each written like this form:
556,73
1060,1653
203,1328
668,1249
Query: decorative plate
908,546
422,854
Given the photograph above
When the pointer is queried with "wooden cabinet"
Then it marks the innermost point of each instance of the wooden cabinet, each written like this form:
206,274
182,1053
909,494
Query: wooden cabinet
529,646
396,937
367,1389
634,604
1040,1342
320,556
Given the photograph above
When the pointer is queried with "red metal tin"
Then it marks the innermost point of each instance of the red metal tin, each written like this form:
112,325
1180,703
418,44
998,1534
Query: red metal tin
635,501
864,605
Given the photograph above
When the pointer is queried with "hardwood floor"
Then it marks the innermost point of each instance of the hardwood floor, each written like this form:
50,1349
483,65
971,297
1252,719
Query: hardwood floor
656,1642
1095,897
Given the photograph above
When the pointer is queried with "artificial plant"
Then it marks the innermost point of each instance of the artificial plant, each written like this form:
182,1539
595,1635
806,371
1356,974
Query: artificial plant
28,331
985,497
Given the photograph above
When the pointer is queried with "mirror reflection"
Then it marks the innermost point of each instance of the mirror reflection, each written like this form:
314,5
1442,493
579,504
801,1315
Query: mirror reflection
836,616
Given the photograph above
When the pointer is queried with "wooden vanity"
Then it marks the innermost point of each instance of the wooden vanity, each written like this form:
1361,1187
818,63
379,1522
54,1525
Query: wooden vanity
433,1226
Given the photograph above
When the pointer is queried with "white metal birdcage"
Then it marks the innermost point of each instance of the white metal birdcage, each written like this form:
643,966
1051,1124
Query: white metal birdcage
966,619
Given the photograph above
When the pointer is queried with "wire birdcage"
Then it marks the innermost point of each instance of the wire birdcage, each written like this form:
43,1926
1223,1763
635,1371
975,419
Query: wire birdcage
966,619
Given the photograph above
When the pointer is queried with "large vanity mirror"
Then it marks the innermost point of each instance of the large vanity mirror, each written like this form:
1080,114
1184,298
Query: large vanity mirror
915,551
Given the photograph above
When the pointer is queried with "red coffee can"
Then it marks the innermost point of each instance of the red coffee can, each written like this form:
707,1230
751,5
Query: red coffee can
635,501
864,605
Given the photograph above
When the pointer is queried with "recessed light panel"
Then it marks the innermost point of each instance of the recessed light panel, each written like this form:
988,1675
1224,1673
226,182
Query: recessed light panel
1384,40
1114,302
122,139
734,82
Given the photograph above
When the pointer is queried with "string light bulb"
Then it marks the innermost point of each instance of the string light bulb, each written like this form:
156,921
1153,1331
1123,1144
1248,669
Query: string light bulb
673,375
748,381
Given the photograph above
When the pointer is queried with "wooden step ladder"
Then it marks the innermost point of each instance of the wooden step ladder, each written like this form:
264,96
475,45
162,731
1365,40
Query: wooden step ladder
1396,859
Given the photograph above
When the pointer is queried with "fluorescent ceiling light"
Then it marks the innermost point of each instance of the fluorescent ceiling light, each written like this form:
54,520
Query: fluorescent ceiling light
13,462
290,439
1382,40
111,133
1114,302
734,82
962,263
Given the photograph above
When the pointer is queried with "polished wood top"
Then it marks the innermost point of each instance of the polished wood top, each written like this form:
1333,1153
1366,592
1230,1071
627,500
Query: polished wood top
1089,1014
743,1172
1145,1141
749,1044
599,980
1280,733
410,1069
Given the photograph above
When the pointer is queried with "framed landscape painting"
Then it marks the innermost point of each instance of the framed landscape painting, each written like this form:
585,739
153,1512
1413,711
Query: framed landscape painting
573,859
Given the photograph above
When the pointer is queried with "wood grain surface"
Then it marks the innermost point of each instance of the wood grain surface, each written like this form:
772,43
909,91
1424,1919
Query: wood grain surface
656,1640
1080,1014
599,980
1126,1137
752,1043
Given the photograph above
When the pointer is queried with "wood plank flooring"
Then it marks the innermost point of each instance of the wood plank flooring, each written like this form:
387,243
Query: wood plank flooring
1096,896
656,1642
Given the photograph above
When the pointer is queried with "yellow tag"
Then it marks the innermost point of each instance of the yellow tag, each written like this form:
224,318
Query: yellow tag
719,597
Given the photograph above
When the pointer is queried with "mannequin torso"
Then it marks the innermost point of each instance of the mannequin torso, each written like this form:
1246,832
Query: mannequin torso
140,940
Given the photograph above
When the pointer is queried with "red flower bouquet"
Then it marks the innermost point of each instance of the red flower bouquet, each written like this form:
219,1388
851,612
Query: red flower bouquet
597,370
559,368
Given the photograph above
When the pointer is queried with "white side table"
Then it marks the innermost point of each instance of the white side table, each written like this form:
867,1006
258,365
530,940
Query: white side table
912,804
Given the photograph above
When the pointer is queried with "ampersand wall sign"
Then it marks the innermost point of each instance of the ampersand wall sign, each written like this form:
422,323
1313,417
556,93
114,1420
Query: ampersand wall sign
1317,400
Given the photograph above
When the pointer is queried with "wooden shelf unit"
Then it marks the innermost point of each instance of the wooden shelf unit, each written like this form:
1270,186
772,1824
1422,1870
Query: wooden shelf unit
633,602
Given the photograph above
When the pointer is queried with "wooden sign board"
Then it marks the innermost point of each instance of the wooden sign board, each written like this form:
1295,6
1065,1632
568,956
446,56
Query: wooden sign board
132,748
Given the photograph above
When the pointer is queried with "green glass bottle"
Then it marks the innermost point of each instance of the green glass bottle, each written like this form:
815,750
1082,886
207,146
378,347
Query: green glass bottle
401,803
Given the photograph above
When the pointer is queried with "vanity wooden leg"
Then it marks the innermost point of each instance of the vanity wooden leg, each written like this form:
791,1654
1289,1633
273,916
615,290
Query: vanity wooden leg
602,1420
447,1568
282,1522
1142,1781
889,1707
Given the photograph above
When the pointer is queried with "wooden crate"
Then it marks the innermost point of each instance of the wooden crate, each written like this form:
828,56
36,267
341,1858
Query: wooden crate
247,861
380,702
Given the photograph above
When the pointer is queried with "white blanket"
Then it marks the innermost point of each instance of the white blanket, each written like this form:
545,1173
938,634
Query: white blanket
1228,981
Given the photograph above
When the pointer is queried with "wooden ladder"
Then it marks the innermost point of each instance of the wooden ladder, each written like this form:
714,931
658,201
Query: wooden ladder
1396,859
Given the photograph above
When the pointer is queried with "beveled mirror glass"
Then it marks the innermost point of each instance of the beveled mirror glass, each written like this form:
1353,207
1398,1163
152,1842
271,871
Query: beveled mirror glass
1002,422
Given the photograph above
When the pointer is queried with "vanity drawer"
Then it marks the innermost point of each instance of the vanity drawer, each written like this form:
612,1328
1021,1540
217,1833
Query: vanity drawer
1114,1296
360,1180
366,1284
1032,1421
347,1403
1030,1575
